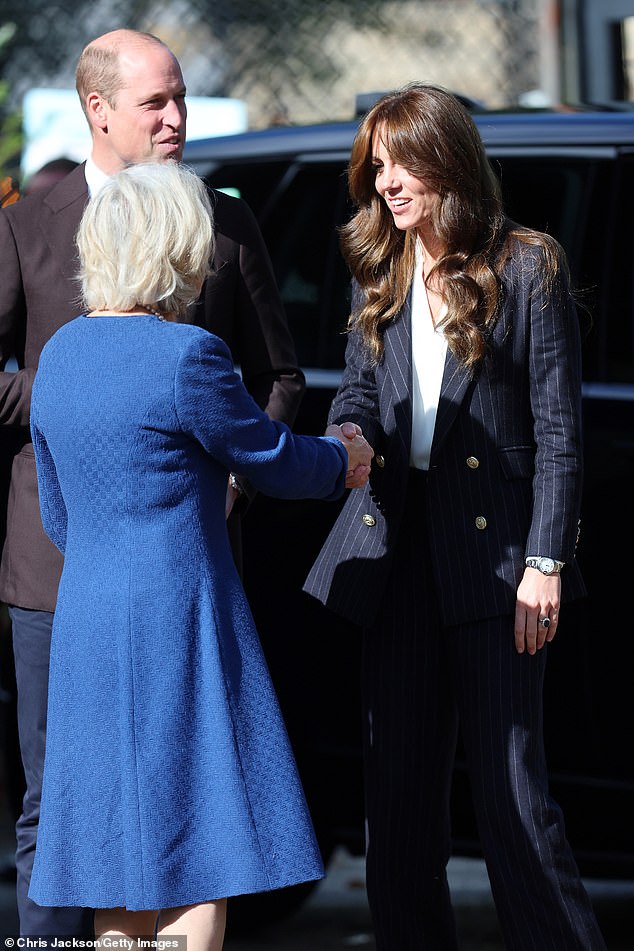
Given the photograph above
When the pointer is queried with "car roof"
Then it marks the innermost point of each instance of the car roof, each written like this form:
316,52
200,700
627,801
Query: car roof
498,129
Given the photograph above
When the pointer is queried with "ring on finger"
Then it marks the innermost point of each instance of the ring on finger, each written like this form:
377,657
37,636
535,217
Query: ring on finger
545,622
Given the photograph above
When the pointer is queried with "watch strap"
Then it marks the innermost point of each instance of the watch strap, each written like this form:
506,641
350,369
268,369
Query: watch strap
545,564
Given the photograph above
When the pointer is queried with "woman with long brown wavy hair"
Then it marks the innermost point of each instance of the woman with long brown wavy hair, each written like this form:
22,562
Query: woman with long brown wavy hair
463,369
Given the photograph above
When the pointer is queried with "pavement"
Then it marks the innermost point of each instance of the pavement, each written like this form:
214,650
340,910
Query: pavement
335,916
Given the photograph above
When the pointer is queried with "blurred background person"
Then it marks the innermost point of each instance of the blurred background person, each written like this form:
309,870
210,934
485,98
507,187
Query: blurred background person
12,776
49,174
9,191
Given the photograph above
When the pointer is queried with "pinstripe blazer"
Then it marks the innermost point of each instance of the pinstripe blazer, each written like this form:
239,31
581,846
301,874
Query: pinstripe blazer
506,460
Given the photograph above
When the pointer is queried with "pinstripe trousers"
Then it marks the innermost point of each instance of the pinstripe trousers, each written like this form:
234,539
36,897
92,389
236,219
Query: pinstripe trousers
423,682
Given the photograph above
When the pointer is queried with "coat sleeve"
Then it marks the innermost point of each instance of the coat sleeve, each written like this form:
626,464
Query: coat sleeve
15,388
214,407
52,505
555,396
357,398
242,305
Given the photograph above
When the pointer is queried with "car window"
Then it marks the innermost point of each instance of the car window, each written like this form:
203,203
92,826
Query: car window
547,193
299,208
256,182
614,232
301,234
585,203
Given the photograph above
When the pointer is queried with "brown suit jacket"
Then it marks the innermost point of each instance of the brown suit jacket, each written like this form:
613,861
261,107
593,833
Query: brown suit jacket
39,293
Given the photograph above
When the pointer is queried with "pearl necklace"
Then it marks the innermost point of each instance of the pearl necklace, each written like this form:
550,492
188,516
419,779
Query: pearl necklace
149,310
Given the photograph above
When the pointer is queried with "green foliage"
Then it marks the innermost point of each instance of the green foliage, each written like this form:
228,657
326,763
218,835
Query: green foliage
10,121
10,137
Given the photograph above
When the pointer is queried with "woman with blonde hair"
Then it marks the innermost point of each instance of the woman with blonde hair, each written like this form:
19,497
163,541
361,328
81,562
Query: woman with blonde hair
463,369
169,781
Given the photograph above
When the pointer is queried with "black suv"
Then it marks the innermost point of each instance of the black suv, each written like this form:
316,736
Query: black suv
570,173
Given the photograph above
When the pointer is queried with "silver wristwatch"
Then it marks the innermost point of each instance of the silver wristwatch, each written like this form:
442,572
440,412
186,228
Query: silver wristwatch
547,566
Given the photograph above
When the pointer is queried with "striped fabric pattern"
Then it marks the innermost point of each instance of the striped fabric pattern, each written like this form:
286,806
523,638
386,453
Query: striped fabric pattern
523,495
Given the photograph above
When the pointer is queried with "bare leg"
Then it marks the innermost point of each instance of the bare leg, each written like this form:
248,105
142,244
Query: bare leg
203,925
119,922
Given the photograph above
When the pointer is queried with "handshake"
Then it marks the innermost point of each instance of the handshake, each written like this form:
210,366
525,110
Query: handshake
360,453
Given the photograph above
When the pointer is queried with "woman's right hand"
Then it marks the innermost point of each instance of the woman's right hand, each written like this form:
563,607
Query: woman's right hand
360,452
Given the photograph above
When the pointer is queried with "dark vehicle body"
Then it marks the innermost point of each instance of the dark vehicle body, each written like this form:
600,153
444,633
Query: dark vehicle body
570,173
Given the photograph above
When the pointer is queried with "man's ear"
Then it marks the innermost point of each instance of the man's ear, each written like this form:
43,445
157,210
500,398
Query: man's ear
97,110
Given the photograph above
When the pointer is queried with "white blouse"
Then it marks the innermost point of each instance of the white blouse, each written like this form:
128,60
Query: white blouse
429,348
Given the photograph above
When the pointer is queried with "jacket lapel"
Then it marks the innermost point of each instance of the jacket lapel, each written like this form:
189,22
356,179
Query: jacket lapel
398,373
455,385
65,202
456,382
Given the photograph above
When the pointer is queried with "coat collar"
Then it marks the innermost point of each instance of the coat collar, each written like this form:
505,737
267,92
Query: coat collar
66,192
65,203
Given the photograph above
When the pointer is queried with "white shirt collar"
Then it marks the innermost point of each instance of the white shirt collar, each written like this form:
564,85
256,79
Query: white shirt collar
95,178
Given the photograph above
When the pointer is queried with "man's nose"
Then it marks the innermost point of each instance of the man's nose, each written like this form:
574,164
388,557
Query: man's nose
175,115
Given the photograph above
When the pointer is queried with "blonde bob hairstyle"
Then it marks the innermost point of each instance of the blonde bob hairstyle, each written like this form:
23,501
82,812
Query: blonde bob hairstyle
146,240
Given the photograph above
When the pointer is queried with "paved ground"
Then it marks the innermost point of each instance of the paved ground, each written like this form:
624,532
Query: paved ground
335,917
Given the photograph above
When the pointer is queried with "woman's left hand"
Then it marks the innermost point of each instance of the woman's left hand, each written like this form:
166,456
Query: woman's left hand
536,610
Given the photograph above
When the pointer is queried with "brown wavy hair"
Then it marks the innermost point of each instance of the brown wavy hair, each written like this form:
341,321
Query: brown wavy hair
429,132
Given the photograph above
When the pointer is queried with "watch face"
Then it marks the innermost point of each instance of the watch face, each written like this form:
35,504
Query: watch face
546,565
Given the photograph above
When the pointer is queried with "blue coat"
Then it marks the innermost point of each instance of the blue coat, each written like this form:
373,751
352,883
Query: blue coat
169,779
506,463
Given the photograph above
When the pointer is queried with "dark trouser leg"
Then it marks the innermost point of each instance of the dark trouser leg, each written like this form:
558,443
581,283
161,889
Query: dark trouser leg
409,744
541,902
31,647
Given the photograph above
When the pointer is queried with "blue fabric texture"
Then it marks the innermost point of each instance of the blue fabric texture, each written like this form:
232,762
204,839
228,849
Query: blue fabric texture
169,778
